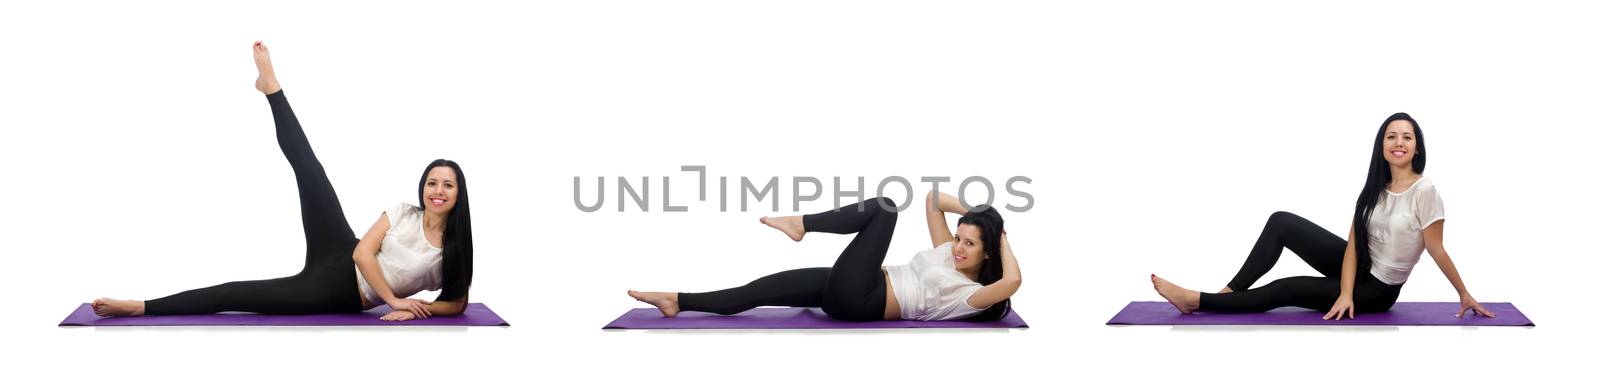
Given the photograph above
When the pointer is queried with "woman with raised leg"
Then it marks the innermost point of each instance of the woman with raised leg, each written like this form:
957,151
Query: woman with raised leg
409,249
1398,215
968,275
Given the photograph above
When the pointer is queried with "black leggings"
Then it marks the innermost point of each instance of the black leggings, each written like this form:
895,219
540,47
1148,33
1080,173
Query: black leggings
852,290
1322,249
327,284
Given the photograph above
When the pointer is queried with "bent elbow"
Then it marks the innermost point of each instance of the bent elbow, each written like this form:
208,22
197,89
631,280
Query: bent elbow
455,309
1010,284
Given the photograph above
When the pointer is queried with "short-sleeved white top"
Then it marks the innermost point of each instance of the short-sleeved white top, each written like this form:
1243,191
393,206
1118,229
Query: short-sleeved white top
1395,229
410,264
929,287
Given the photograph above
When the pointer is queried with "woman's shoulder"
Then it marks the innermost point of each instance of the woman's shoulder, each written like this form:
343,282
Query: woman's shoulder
401,211
1424,182
934,254
1421,186
1425,186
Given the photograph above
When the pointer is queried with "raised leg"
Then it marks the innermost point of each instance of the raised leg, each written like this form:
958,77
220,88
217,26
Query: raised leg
1318,247
855,289
329,239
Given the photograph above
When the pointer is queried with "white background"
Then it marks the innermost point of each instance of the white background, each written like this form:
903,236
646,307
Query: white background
141,162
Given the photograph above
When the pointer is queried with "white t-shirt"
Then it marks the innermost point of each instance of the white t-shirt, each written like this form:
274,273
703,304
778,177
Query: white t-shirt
1395,229
409,263
929,287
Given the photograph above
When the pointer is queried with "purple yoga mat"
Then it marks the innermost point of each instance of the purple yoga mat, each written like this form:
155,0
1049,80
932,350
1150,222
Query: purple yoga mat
787,318
1404,313
476,314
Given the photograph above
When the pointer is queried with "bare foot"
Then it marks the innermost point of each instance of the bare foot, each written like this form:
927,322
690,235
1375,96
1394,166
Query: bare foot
105,307
1184,299
1225,290
792,226
667,302
266,80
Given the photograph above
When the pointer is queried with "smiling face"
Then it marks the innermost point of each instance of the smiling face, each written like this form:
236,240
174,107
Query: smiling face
1399,143
968,249
439,190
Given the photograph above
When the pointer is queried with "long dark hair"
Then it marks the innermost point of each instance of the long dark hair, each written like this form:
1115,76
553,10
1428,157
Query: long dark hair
1378,177
990,225
457,235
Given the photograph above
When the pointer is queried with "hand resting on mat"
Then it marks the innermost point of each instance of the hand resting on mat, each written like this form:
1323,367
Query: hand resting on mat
418,308
1344,307
1467,302
427,308
398,316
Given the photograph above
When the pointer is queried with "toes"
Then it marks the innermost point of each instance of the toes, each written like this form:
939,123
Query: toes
643,297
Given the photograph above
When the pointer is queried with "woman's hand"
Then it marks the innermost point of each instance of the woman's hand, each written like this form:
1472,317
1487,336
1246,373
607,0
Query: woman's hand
1342,307
1467,302
399,316
417,308
1005,245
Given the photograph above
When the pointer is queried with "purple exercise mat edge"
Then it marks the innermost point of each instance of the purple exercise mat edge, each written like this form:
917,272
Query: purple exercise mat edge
788,318
1401,314
477,314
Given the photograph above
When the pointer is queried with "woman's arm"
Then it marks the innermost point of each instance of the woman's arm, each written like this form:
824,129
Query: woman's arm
936,206
437,308
1345,305
448,307
366,257
1433,239
1010,280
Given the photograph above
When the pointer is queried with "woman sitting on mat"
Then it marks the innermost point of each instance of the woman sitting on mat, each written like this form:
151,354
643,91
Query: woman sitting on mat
1398,214
408,250
970,275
